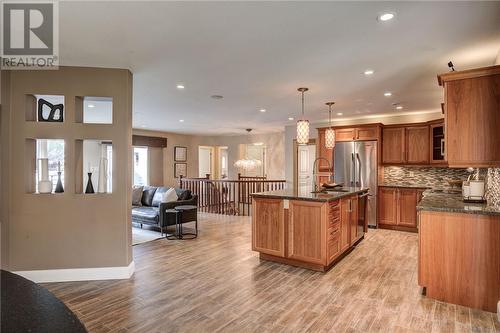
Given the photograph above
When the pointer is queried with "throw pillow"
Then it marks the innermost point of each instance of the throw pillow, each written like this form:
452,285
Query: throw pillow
183,194
147,195
137,195
170,195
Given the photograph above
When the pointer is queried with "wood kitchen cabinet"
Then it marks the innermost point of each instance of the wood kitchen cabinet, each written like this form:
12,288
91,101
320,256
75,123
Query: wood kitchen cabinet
472,117
397,208
345,134
393,145
405,144
387,206
436,143
417,144
308,233
307,226
268,236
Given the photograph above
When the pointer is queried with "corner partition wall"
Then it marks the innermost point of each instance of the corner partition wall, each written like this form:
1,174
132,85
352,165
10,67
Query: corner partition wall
86,115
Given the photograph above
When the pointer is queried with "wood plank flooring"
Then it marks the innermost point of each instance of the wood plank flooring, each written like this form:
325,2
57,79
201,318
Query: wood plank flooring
217,284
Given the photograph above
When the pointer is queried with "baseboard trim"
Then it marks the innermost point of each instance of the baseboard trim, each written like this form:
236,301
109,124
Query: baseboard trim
79,274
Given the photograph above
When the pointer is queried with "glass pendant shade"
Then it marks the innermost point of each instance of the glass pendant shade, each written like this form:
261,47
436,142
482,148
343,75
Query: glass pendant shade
330,138
247,164
303,132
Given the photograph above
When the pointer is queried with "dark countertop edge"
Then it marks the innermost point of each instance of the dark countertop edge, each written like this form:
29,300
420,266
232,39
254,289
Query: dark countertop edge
290,197
405,186
457,210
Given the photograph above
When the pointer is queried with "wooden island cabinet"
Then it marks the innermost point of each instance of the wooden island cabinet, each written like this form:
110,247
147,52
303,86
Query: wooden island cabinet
309,230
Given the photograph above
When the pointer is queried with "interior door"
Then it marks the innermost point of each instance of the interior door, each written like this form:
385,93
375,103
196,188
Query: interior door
306,156
204,161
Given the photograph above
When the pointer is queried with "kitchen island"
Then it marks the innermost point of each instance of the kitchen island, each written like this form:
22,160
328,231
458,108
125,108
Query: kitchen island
310,230
459,250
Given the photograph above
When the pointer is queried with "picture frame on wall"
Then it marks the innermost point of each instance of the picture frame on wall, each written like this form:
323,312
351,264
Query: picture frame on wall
180,169
180,154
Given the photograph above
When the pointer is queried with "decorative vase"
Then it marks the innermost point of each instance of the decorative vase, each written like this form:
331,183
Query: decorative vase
90,187
44,184
103,175
59,186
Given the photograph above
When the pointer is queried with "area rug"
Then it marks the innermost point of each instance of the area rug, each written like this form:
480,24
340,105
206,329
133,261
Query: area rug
140,236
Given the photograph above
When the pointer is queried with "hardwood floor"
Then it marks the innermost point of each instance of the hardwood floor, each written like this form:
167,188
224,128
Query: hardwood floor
216,283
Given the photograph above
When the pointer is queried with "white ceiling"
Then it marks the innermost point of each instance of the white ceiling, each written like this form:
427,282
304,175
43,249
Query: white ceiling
256,54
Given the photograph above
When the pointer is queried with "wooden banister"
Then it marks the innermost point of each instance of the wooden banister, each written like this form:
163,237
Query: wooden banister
228,197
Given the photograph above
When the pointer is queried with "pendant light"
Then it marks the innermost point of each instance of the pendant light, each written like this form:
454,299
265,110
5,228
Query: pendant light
330,132
248,164
303,124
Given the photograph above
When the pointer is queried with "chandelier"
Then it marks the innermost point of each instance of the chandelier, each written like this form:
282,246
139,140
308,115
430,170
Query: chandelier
248,164
330,132
303,124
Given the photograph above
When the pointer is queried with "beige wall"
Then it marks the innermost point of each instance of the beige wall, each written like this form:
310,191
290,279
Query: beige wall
497,61
165,171
68,230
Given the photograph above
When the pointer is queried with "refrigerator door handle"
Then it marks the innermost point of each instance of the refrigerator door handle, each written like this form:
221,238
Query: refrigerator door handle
353,168
358,181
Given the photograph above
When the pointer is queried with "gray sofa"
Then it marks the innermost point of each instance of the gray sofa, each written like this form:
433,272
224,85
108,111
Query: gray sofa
152,210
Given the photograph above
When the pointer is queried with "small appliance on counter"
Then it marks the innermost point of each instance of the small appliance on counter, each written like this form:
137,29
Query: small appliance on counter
473,189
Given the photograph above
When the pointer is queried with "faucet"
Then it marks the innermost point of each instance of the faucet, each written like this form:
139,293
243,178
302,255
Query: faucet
315,183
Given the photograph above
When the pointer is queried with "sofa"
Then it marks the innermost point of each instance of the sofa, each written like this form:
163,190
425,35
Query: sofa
151,210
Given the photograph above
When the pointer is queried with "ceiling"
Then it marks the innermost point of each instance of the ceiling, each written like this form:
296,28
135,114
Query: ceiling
256,54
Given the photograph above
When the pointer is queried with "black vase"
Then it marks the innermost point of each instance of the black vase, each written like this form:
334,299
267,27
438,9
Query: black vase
59,186
90,188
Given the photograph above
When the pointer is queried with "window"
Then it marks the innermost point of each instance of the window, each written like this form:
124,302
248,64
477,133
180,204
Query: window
141,164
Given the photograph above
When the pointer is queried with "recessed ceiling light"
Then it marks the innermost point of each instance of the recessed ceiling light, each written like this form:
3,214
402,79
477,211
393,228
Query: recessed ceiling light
387,94
91,106
290,118
386,17
369,72
217,96
180,86
399,107
181,120
339,113
262,110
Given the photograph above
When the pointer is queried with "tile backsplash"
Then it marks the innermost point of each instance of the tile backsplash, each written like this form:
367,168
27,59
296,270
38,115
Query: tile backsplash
426,176
493,187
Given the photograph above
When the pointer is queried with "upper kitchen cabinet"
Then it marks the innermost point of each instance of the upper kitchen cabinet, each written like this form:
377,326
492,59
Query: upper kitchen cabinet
472,117
393,145
406,144
417,144
436,140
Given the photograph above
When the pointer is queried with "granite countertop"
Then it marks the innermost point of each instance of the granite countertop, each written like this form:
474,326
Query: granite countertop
404,185
447,201
304,193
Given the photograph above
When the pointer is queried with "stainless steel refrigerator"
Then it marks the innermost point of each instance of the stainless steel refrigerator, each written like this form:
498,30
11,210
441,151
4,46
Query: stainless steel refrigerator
355,164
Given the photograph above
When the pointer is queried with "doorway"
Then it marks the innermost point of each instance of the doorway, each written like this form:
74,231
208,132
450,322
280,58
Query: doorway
222,167
306,154
205,161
